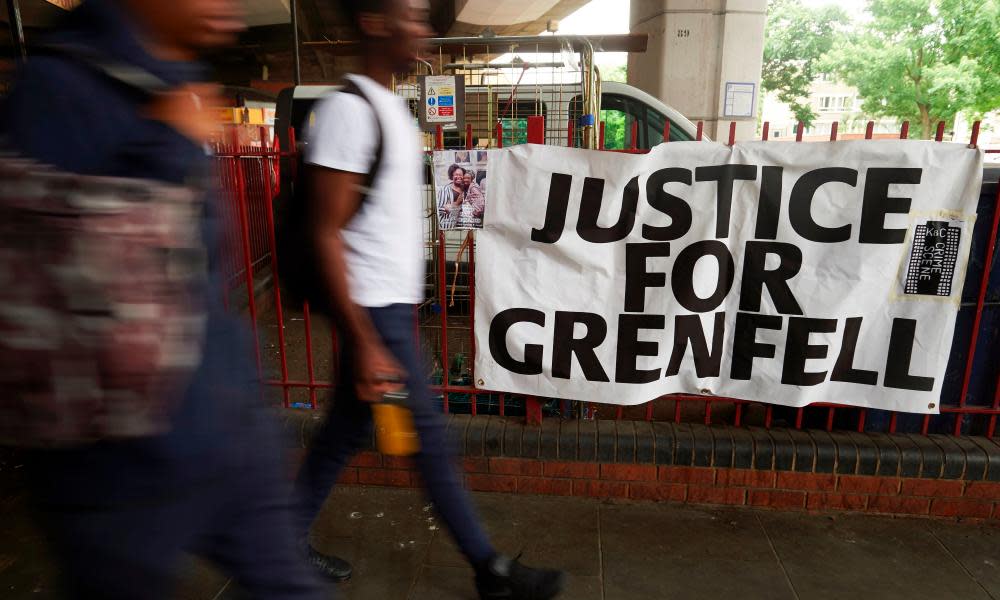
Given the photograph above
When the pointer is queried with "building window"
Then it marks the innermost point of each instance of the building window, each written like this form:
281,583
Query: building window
834,103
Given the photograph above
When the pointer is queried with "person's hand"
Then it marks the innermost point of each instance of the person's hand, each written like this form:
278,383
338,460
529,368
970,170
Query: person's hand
376,372
187,110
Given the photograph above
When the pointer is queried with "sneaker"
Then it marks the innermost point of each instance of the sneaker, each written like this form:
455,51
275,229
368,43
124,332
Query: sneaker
330,566
507,579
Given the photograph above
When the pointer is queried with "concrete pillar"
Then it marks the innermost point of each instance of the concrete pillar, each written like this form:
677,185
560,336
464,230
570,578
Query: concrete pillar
696,48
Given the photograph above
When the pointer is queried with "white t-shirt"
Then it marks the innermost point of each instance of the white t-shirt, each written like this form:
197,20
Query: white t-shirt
385,254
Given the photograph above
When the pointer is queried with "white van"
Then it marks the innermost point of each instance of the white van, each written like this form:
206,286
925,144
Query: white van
621,105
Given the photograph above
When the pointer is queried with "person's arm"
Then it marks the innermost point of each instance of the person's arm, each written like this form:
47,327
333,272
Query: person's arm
336,198
478,201
447,207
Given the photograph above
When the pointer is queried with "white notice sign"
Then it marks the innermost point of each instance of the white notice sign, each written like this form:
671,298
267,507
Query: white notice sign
739,99
439,103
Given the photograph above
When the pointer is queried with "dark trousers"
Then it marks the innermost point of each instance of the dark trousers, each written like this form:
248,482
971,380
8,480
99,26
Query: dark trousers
348,427
240,519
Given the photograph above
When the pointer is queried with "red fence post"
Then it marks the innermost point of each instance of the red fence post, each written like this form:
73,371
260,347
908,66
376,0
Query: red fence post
536,129
666,130
980,304
700,133
766,131
443,300
442,267
307,323
732,133
904,131
241,202
532,411
472,291
271,156
226,184
834,129
471,280
799,132
600,136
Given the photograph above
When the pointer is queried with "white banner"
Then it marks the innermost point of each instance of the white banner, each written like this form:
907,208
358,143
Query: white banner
778,272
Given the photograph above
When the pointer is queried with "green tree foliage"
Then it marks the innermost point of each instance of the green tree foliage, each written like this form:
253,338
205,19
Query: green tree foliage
614,73
797,38
923,60
615,126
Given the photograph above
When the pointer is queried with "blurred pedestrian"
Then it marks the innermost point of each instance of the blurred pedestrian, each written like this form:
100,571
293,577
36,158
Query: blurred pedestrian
368,235
117,92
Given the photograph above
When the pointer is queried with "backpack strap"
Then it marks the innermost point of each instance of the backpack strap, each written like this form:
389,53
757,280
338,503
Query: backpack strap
350,87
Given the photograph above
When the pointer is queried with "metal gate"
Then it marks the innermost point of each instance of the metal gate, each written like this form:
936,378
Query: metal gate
547,98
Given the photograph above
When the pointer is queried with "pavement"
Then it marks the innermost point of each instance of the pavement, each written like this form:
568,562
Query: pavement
611,551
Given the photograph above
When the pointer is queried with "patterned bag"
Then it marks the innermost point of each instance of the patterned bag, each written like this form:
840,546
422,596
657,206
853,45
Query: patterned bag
101,317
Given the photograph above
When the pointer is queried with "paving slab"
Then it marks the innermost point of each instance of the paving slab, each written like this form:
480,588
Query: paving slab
861,556
675,552
977,549
697,580
682,532
546,530
611,550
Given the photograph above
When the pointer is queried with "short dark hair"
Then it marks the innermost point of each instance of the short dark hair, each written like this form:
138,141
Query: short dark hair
453,168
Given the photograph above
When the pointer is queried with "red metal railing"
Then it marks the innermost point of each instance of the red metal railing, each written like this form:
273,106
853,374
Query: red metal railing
289,357
248,179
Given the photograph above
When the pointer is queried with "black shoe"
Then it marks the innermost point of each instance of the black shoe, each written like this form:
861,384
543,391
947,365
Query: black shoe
507,579
330,566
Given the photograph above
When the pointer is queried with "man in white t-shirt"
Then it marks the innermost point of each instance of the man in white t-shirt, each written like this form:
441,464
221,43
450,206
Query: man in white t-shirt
370,254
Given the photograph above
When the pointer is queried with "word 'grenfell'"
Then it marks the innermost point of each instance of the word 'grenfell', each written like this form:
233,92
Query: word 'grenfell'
688,332
875,204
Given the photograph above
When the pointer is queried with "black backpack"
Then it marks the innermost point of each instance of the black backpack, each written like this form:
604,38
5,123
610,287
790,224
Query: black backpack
298,266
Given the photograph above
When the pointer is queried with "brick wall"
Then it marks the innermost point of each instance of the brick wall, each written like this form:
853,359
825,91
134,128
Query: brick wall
931,476
701,485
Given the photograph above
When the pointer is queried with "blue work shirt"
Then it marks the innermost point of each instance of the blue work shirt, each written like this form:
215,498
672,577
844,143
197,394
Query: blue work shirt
65,113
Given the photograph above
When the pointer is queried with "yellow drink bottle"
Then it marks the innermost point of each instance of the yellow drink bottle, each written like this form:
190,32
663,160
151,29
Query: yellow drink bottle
395,434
